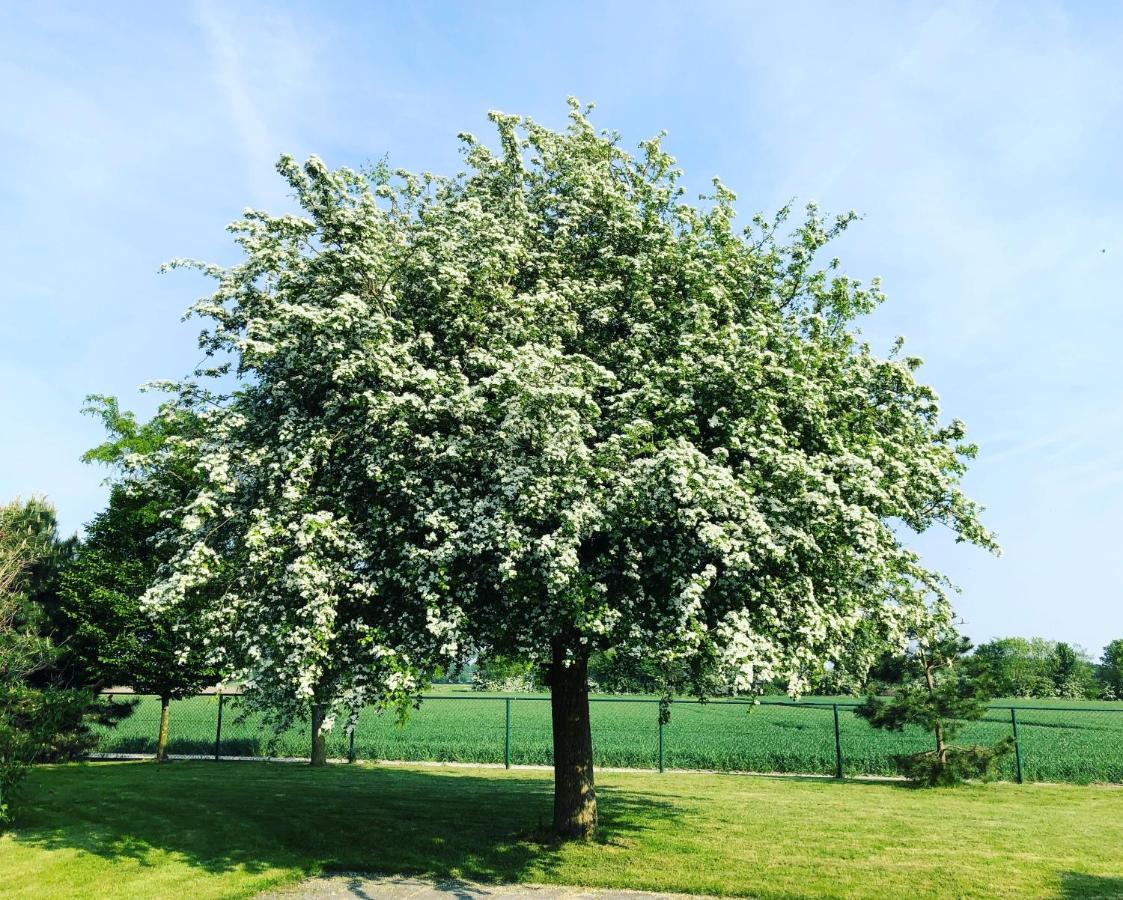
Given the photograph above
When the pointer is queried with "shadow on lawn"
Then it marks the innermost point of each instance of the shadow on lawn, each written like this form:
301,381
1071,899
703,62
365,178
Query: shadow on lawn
257,816
1080,885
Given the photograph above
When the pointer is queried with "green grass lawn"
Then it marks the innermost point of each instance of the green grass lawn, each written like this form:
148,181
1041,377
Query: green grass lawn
204,829
1079,745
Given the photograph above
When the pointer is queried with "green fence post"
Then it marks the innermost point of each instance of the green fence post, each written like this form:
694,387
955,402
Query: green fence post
837,745
662,744
507,736
1017,744
351,741
218,728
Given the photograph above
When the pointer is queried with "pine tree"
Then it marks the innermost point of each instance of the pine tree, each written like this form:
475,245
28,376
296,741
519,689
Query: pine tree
938,692
36,722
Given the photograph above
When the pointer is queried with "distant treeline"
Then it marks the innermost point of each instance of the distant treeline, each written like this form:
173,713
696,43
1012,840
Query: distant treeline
1035,667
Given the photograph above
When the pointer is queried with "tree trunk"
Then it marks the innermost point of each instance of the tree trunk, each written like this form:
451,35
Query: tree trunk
319,739
941,746
162,738
575,798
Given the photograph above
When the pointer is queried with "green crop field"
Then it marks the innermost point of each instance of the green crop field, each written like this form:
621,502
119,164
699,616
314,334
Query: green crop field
1081,743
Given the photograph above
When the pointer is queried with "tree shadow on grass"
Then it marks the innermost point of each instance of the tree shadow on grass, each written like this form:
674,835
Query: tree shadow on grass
1079,884
446,824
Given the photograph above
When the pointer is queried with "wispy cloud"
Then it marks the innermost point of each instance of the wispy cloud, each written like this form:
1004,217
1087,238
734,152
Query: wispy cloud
257,143
981,141
960,129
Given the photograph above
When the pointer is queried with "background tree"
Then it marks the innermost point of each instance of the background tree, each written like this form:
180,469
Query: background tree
501,674
114,639
36,722
1036,667
938,692
1016,667
614,672
548,408
39,587
25,650
1072,672
617,673
1110,671
458,672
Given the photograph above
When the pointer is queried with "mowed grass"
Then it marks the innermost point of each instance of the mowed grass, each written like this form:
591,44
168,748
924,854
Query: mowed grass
1080,745
208,830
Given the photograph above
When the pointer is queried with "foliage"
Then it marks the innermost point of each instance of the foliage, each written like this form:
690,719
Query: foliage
867,665
497,673
955,765
940,694
39,588
36,723
615,671
612,672
836,681
117,641
1035,667
1072,672
1110,670
548,407
1017,667
23,651
119,829
459,672
45,725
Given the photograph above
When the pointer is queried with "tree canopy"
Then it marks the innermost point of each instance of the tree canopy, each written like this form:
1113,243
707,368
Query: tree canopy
114,639
543,408
26,537
38,720
1035,667
1110,671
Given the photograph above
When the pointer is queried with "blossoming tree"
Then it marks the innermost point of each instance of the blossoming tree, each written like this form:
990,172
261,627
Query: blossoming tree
545,408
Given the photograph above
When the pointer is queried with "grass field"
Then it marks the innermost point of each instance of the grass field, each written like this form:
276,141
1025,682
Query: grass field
206,830
1077,746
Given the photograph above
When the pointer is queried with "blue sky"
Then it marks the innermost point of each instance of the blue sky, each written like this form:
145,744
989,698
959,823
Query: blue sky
982,143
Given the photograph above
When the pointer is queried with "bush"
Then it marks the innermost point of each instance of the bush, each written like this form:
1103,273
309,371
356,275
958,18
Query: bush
37,725
958,764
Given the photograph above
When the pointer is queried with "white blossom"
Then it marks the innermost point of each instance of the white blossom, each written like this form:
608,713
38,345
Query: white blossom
550,401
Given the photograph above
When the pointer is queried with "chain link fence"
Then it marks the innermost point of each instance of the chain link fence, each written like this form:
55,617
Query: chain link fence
1075,744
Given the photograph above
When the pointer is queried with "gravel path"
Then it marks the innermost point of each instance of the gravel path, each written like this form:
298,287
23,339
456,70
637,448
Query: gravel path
362,887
